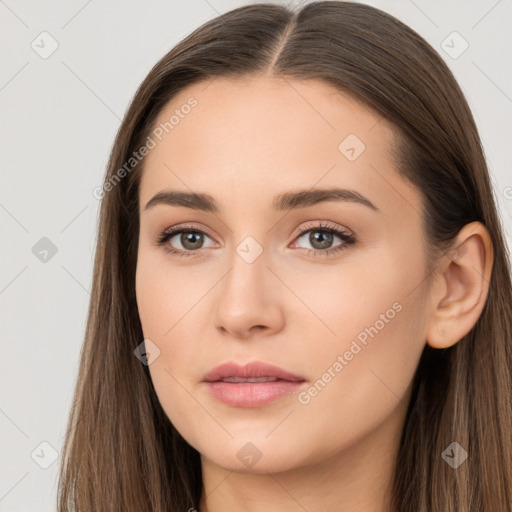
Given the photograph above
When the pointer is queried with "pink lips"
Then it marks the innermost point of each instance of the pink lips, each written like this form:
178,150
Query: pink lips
252,385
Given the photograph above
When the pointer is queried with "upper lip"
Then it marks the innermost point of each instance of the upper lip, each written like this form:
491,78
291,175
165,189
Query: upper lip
253,369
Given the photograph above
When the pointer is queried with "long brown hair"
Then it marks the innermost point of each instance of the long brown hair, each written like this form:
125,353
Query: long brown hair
121,452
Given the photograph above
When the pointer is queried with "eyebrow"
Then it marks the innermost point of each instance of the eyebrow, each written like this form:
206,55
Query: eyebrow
283,202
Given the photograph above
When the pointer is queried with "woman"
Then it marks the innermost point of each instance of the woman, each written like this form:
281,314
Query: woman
301,295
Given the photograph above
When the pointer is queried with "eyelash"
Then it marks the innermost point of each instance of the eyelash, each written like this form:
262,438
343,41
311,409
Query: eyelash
327,228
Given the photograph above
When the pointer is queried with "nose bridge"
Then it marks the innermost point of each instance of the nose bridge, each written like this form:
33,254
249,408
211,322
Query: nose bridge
245,298
247,278
249,240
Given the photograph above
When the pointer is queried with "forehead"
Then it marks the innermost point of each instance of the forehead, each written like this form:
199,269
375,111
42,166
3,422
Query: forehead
246,139
251,111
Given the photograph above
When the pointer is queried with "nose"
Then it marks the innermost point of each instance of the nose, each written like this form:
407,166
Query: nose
248,300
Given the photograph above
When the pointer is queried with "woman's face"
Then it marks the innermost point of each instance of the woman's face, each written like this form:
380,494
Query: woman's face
324,286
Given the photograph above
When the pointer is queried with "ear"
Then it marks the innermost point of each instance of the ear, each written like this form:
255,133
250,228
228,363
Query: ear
461,286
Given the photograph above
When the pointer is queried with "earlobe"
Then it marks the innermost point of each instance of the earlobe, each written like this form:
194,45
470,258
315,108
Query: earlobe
462,287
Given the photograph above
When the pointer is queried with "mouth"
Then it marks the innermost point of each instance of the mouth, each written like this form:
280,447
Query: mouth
254,385
249,379
251,372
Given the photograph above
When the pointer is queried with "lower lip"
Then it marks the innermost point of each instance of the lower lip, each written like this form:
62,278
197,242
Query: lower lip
251,394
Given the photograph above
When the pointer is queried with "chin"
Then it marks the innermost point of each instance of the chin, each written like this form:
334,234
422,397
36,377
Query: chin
253,456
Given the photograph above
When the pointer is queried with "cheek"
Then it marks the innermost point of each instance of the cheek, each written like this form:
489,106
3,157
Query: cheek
163,316
358,387
168,305
164,293
154,301
372,334
364,373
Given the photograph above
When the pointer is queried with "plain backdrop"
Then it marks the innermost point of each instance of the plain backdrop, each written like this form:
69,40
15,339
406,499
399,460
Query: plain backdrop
69,70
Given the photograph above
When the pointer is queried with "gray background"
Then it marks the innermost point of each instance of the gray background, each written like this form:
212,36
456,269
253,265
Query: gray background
59,118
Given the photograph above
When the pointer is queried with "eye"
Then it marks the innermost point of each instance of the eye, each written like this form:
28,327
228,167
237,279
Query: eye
190,238
321,238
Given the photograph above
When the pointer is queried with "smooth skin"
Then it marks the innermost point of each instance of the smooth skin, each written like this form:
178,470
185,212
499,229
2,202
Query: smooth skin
244,143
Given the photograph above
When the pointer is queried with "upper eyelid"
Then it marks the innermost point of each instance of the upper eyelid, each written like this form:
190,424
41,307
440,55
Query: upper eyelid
177,229
323,225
